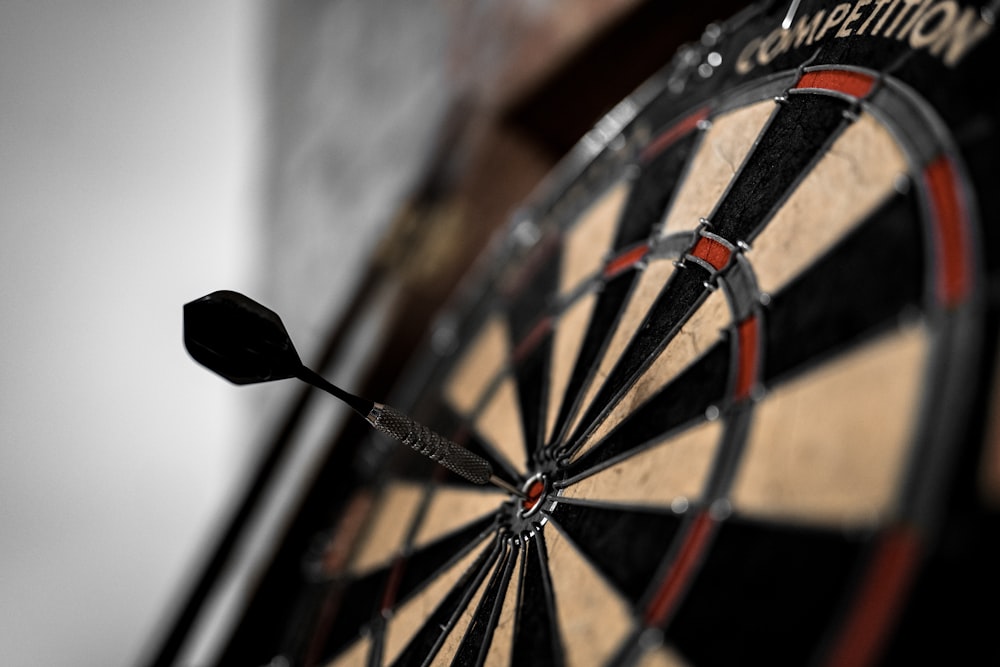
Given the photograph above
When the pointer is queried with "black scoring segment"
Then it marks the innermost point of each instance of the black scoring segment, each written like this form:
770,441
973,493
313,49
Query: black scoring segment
479,635
414,572
532,374
600,533
536,630
528,315
652,192
848,292
525,308
428,639
610,304
683,401
361,599
807,122
682,294
791,582
427,562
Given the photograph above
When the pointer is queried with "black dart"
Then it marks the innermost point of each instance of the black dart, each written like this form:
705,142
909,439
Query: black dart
246,343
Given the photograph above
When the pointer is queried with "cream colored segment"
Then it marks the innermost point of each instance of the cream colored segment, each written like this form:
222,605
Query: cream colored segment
588,243
502,644
830,447
647,288
500,424
452,508
453,641
697,335
567,340
723,148
355,656
411,615
663,656
594,619
478,366
864,161
675,468
388,525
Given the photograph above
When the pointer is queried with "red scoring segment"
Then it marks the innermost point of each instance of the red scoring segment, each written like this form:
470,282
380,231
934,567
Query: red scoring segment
713,252
625,260
534,493
682,571
392,586
672,134
528,344
746,371
885,585
954,278
855,84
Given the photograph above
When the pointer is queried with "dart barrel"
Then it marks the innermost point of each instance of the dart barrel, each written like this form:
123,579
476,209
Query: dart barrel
418,437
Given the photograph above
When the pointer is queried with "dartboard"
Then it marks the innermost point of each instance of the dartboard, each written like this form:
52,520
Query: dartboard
736,354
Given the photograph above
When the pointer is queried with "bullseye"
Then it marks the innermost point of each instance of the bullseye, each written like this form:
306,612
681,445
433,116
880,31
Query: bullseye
534,489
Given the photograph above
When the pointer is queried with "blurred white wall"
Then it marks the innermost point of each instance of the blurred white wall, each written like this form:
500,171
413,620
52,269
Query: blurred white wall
128,134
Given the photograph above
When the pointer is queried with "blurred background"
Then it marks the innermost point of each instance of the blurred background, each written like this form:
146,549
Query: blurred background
130,137
302,152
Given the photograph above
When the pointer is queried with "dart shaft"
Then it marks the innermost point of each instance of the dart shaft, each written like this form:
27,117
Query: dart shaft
506,486
246,342
361,406
415,435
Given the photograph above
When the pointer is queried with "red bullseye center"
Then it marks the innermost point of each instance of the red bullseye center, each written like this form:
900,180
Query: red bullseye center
534,492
